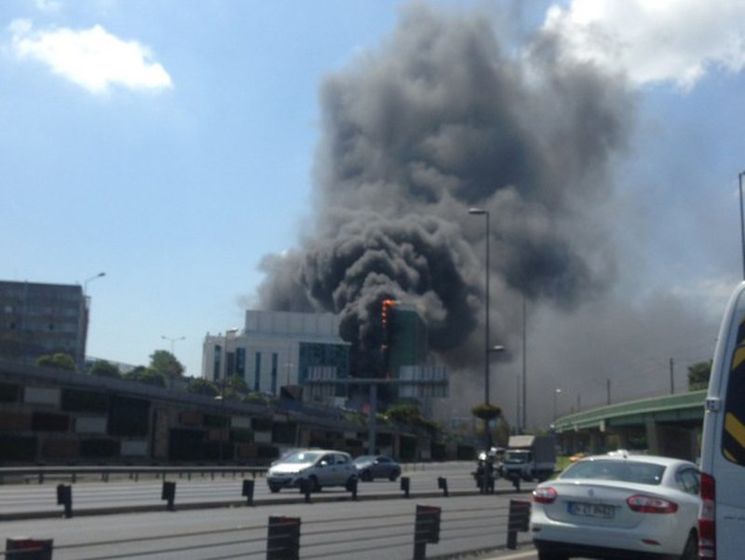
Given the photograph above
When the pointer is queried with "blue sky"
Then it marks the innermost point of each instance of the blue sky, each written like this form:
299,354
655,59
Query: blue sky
182,152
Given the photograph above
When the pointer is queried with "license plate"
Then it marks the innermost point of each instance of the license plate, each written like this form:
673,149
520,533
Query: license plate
591,510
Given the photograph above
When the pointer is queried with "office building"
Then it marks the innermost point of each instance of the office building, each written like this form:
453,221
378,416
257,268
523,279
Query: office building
38,319
277,349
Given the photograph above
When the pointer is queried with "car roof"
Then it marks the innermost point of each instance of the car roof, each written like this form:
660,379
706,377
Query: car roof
626,456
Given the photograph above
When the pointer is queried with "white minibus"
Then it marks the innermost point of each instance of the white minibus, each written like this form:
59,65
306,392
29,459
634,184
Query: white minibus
722,515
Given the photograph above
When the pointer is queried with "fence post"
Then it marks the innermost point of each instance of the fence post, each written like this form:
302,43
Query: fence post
518,521
442,484
283,538
24,548
405,485
248,491
426,529
169,494
352,487
305,488
64,498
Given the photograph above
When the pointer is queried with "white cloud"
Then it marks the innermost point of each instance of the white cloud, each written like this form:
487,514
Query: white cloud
92,58
48,6
654,41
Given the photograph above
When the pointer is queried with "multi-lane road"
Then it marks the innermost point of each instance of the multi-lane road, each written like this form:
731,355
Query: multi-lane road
380,524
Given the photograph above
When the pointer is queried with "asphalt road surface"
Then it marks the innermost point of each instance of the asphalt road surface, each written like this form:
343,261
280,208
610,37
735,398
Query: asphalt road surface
365,530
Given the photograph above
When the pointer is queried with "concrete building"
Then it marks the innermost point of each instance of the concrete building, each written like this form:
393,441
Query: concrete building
277,349
38,319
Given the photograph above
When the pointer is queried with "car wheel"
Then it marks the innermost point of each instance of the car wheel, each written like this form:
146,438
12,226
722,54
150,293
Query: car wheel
314,485
393,476
273,489
366,476
690,552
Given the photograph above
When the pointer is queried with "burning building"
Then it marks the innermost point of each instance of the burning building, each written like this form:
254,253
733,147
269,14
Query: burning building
443,117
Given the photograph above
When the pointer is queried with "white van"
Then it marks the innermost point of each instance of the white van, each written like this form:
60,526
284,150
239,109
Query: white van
722,516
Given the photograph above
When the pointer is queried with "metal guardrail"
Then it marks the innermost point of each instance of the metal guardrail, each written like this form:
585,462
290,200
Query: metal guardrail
133,472
73,472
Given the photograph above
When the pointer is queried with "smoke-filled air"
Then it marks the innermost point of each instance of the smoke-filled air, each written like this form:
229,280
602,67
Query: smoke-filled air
441,117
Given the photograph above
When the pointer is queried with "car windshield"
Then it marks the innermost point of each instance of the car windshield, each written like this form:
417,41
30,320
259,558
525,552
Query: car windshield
622,471
302,457
517,457
364,459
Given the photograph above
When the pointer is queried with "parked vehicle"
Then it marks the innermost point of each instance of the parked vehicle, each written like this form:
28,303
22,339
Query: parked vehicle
529,458
370,467
722,516
618,506
320,467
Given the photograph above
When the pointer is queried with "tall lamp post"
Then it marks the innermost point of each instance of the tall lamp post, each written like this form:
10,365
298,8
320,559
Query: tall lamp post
487,346
742,223
557,392
91,279
80,358
173,341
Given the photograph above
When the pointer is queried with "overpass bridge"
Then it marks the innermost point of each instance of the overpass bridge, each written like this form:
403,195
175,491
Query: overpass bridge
669,425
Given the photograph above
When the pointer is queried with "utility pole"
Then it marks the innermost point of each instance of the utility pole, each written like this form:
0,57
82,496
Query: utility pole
524,422
672,376
607,388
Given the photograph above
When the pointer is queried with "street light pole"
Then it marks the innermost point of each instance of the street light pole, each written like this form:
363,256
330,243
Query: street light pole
487,346
173,341
91,279
557,392
523,423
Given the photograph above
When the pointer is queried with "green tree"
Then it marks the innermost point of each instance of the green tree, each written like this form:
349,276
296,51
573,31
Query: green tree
102,368
57,361
698,375
201,386
403,412
486,412
147,376
237,384
166,363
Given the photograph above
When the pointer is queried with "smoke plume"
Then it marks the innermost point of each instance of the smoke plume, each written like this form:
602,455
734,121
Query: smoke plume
440,118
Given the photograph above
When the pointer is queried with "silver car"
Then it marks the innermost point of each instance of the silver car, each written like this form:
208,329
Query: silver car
370,467
320,467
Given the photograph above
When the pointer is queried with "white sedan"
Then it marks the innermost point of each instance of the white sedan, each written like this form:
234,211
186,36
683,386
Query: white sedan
618,506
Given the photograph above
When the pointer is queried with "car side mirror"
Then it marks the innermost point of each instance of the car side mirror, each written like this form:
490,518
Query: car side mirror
323,464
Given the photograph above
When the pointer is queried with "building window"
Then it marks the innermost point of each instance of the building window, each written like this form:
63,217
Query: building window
216,363
240,362
257,376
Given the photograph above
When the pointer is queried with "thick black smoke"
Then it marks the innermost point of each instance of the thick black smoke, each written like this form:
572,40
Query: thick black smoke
437,120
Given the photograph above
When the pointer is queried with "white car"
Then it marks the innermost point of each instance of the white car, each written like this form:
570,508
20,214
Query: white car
320,467
618,506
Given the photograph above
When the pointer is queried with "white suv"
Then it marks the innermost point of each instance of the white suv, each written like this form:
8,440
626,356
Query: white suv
321,467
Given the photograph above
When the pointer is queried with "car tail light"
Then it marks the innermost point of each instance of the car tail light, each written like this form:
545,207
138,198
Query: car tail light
545,495
651,504
707,542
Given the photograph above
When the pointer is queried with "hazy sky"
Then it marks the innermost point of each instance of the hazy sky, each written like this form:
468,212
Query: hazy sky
171,144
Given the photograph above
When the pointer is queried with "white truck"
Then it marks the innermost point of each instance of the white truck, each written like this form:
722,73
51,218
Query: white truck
529,458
